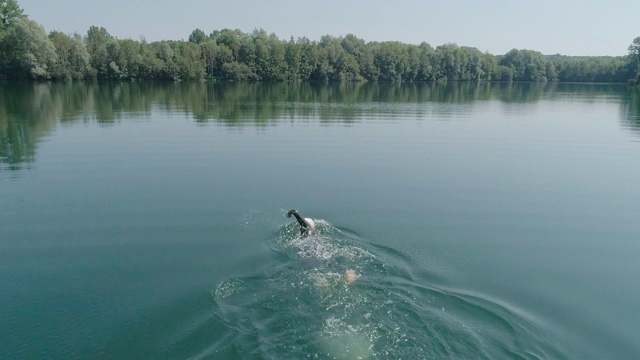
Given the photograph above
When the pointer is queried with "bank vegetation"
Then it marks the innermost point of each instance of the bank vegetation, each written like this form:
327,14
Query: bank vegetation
27,51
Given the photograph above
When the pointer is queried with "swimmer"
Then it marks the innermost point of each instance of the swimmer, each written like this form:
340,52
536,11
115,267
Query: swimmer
307,225
351,276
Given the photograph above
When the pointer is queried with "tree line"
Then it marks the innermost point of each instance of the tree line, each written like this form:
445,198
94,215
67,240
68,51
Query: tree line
28,52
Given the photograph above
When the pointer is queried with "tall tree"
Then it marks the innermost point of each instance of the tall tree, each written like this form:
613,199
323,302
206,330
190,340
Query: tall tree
362,55
230,38
72,61
129,59
527,65
269,60
9,12
150,65
339,64
292,56
189,61
165,53
197,36
308,57
63,44
103,49
29,50
634,61
425,67
210,51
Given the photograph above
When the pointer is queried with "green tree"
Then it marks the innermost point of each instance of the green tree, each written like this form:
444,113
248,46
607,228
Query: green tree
169,69
503,73
551,72
491,63
323,70
230,38
9,12
358,50
63,44
79,59
292,57
189,62
73,57
337,63
210,52
308,57
104,52
268,58
96,38
151,66
634,61
475,67
225,56
391,57
129,59
72,60
634,49
450,63
589,69
527,65
237,71
425,62
29,51
197,36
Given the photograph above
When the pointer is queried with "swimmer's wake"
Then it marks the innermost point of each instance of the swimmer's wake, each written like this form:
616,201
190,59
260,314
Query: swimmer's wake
329,295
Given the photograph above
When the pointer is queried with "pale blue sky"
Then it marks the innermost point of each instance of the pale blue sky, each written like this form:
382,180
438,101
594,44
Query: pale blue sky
571,27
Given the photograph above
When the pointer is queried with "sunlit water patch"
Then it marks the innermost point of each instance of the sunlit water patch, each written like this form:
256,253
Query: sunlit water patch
301,306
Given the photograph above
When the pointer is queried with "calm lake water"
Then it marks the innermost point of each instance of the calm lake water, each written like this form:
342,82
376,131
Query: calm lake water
491,221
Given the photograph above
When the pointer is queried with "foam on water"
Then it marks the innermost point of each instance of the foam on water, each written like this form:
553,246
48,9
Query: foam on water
340,340
323,246
228,288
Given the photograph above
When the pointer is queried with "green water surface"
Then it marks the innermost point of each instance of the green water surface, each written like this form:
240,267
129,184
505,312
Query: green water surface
486,221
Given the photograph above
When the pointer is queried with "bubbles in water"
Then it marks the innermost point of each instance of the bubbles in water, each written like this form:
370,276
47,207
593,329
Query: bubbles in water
228,288
323,246
343,341
324,280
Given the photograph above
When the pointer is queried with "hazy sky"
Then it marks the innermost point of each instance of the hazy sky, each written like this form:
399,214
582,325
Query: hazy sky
570,27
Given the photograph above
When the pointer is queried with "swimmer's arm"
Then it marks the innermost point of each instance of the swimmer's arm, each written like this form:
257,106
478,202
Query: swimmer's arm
301,221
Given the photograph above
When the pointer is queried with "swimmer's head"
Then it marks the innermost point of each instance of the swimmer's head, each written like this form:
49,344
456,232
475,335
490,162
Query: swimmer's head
351,276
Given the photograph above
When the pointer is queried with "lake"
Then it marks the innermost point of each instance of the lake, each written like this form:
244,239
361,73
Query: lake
486,221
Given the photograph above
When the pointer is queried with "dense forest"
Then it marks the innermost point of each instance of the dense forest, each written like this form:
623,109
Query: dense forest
28,52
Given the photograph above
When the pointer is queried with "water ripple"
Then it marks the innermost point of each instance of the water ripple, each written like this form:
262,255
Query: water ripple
301,306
